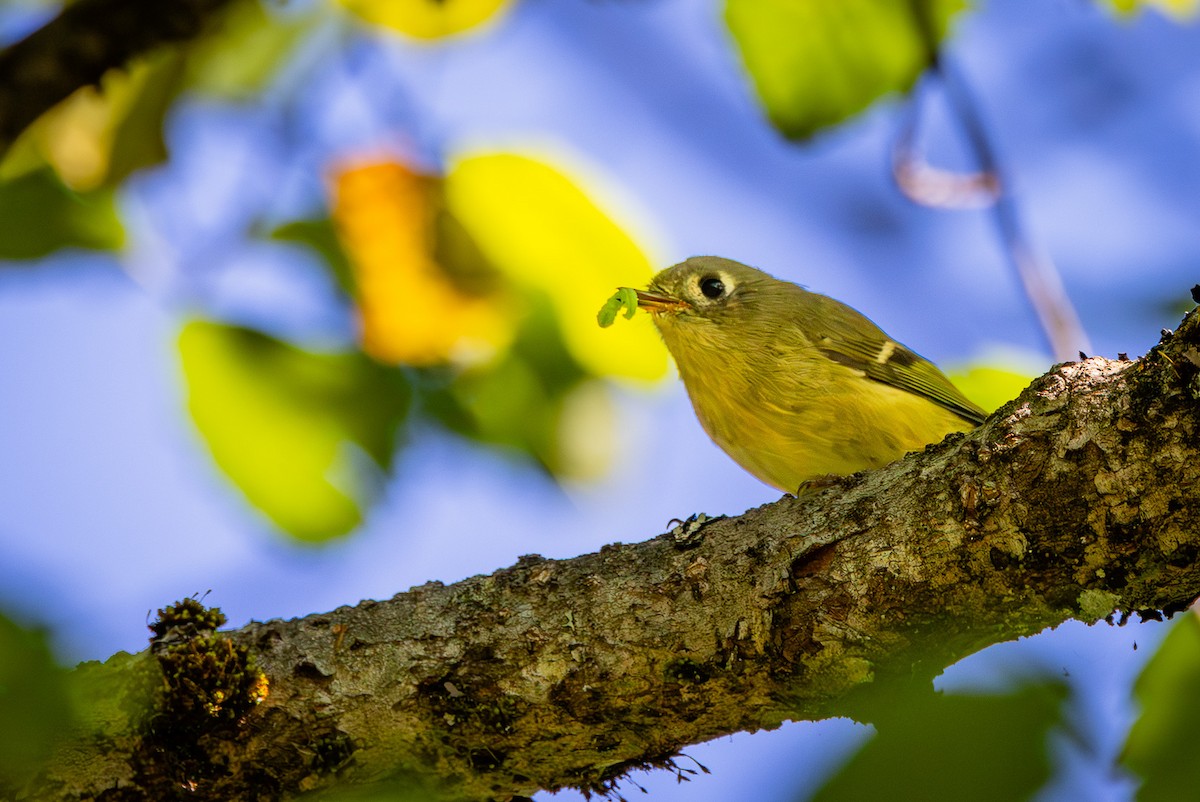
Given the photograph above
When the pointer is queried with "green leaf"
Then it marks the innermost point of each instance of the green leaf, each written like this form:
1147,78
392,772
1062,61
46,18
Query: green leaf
39,215
285,424
955,747
246,48
527,401
137,127
989,387
1161,746
321,236
815,63
100,134
34,703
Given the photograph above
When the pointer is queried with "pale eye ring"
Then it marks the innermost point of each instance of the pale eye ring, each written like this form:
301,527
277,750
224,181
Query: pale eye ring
712,287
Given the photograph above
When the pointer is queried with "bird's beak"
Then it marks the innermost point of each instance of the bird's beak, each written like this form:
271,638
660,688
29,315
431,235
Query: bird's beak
655,302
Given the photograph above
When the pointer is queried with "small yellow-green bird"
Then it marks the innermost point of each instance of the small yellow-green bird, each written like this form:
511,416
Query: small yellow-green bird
793,385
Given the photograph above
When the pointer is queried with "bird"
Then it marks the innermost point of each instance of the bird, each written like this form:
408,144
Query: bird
796,387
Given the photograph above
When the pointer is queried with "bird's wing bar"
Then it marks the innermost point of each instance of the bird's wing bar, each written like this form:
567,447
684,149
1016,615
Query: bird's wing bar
865,347
896,365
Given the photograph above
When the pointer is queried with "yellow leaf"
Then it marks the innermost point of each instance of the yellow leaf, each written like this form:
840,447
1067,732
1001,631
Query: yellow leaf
990,386
412,312
1180,10
546,234
427,19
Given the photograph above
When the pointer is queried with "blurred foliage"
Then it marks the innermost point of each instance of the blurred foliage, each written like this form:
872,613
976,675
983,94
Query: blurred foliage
1177,305
412,308
536,400
99,135
56,179
300,433
548,236
817,64
321,236
938,747
477,279
989,386
34,703
247,47
444,269
427,19
1179,9
1160,748
39,215
480,286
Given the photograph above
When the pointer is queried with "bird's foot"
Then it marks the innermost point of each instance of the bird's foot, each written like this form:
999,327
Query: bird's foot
820,483
687,533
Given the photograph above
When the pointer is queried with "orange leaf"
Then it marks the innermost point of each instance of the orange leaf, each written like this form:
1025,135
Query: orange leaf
411,310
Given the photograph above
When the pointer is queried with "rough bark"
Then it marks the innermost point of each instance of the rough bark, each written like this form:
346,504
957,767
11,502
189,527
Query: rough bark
1073,501
85,40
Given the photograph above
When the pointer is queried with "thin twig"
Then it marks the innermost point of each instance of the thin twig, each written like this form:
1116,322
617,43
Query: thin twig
989,186
933,186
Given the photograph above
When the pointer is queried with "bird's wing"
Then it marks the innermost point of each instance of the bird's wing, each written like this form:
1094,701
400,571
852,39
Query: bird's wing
868,349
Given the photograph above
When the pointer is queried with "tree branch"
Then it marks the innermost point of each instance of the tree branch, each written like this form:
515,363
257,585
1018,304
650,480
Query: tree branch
1074,500
85,40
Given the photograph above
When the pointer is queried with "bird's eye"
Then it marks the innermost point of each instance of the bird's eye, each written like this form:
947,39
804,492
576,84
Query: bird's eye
712,287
